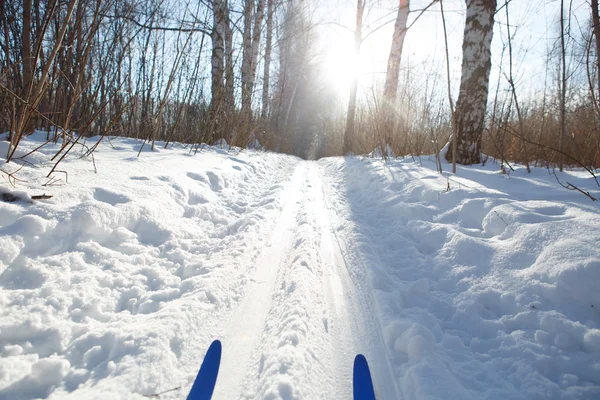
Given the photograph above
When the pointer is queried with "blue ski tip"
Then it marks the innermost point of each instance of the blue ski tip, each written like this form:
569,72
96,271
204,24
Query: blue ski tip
361,380
204,385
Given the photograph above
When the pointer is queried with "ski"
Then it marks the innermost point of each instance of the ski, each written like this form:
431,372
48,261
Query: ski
361,380
204,385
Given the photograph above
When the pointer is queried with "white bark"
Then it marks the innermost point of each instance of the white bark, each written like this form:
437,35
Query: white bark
247,55
229,74
217,102
476,65
258,20
393,66
267,66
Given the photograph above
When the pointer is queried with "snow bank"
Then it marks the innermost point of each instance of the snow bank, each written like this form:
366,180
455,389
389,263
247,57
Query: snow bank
117,285
489,290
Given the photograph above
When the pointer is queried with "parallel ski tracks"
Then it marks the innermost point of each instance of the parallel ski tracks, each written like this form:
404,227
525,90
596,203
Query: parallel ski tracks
304,316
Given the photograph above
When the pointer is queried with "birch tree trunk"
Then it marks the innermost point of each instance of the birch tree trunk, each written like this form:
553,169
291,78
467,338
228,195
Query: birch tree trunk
229,74
217,64
247,55
475,75
350,117
393,72
267,66
596,29
393,65
258,19
563,85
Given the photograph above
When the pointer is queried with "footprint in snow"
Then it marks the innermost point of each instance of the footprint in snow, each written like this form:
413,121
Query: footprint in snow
111,198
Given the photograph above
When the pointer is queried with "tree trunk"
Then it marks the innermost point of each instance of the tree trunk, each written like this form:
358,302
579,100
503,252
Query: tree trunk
563,84
472,97
27,59
26,48
596,28
217,67
349,134
258,19
229,74
267,66
393,65
247,56
393,72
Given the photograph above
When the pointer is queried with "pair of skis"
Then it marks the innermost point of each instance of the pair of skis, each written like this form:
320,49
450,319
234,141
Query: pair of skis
204,385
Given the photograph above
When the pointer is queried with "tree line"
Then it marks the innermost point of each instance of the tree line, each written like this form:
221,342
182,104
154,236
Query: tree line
244,70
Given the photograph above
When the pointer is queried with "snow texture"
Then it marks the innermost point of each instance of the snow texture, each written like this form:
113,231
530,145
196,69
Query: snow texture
116,286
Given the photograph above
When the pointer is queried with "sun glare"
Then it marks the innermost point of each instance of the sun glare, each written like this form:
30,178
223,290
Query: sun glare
342,65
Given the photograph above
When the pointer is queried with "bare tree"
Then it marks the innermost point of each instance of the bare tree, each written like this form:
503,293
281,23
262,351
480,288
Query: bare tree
395,57
229,72
267,63
596,30
246,71
350,122
217,61
472,97
563,83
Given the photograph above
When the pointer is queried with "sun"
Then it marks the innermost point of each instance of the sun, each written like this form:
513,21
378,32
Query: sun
341,64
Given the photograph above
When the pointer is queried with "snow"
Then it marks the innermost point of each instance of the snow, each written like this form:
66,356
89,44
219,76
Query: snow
117,284
495,279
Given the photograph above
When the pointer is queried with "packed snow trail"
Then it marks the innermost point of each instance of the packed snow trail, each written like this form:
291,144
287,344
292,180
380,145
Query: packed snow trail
479,285
120,285
300,325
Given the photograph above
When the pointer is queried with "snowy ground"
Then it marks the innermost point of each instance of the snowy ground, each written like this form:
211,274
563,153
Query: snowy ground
116,286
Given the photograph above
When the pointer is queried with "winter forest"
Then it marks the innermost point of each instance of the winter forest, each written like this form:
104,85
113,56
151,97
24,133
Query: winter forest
196,72
299,199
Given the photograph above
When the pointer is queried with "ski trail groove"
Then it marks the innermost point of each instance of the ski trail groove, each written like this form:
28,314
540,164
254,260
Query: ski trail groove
241,333
305,315
356,303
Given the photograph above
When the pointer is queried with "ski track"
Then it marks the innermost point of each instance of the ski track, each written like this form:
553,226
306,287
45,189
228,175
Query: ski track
297,266
301,323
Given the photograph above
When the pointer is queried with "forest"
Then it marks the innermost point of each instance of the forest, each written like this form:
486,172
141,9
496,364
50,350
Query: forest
252,72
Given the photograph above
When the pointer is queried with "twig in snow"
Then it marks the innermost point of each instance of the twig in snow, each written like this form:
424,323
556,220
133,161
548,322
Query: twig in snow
66,175
161,393
51,181
41,197
570,186
11,176
573,187
501,219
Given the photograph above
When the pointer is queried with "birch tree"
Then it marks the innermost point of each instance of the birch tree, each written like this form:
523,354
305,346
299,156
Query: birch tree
596,31
250,56
217,62
247,55
393,66
393,71
267,63
472,97
229,73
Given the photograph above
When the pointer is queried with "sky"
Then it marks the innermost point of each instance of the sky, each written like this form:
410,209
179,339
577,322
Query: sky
534,25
